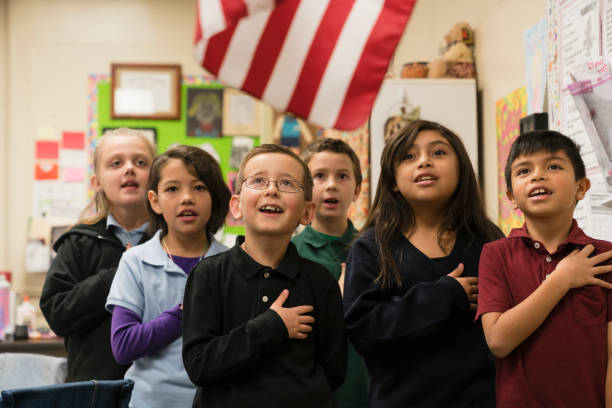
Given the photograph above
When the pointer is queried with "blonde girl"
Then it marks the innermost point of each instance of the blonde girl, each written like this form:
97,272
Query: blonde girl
188,203
411,278
80,276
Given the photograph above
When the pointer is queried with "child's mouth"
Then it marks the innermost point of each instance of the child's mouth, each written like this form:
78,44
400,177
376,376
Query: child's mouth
130,185
270,209
187,215
539,192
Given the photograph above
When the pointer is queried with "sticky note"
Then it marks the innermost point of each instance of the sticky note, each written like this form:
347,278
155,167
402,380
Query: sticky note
46,149
73,140
73,174
46,171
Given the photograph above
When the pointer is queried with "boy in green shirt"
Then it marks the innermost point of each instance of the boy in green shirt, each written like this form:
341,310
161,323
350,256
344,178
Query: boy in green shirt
337,179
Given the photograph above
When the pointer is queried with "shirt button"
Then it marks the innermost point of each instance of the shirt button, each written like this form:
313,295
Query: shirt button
264,299
536,245
266,275
548,259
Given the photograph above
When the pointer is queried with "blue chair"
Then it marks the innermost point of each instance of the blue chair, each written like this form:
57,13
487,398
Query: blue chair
94,394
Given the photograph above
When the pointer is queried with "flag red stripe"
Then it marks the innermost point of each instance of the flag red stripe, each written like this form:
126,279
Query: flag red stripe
316,60
216,49
198,28
233,10
269,47
372,66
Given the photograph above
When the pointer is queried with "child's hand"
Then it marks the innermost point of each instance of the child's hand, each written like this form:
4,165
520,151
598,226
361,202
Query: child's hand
577,269
297,324
469,284
341,278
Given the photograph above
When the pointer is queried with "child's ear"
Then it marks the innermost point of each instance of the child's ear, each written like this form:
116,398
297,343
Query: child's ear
152,196
234,206
510,196
356,193
95,183
584,184
309,212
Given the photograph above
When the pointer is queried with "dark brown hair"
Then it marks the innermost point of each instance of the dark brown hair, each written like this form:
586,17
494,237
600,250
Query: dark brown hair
391,214
274,148
335,146
201,165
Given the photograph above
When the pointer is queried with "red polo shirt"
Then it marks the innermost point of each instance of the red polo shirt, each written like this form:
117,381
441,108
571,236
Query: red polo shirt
562,363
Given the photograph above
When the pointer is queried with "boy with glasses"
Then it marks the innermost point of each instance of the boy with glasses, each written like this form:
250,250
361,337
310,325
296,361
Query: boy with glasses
261,325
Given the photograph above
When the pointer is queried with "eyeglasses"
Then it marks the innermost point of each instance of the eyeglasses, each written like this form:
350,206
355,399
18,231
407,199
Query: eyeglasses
261,183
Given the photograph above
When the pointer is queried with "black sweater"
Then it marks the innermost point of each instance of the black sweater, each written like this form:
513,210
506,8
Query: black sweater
74,295
237,351
419,341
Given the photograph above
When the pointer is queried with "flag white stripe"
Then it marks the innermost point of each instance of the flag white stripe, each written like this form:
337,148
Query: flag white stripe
254,6
212,17
241,49
199,49
289,63
343,61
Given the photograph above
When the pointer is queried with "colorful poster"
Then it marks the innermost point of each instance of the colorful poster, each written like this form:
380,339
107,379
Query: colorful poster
508,112
535,63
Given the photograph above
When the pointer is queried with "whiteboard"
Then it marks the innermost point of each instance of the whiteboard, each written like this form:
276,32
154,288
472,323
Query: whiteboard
450,102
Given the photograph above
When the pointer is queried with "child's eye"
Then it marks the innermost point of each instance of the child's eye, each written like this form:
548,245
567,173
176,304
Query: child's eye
555,167
141,163
286,182
409,156
318,175
344,176
171,189
258,181
115,163
200,187
521,172
439,152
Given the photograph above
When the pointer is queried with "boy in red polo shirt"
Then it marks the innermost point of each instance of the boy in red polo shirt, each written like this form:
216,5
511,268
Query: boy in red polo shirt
544,294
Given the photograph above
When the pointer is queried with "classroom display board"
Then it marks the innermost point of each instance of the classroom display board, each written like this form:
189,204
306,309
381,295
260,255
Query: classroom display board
580,98
201,124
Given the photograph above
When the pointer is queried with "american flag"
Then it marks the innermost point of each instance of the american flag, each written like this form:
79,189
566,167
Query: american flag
322,60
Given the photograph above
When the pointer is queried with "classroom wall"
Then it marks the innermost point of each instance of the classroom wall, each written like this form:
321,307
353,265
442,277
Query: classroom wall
3,131
51,46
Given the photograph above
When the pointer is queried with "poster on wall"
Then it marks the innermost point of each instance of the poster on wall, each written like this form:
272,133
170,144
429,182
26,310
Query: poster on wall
535,63
204,112
508,112
580,38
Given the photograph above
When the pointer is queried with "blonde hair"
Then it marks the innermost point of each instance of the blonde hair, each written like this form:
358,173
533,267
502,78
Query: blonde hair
102,205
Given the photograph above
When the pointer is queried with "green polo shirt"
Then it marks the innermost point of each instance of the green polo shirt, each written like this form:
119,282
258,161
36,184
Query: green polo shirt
330,252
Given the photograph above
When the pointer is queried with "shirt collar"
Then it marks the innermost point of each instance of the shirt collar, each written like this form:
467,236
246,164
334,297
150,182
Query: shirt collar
318,240
249,268
576,235
112,222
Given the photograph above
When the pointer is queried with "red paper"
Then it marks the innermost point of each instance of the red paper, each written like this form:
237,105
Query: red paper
47,149
73,140
46,171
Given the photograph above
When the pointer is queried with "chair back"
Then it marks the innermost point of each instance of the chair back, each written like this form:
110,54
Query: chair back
82,394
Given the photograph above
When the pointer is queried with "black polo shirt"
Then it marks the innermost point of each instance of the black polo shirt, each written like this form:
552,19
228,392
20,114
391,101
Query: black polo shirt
238,352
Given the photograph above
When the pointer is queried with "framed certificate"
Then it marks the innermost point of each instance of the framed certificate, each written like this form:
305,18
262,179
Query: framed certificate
141,91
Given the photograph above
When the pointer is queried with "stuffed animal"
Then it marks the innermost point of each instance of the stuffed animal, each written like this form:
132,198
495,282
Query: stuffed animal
458,59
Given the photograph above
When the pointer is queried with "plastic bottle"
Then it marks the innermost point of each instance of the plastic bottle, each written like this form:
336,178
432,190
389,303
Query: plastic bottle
26,314
5,304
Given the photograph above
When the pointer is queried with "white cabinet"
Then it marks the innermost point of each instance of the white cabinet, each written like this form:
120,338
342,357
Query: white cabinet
451,102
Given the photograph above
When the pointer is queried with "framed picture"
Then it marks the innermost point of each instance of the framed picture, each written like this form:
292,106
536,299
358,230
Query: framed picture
241,114
140,91
149,133
204,112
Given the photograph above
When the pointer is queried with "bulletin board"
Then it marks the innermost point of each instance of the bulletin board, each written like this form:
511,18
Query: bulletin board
169,132
580,51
